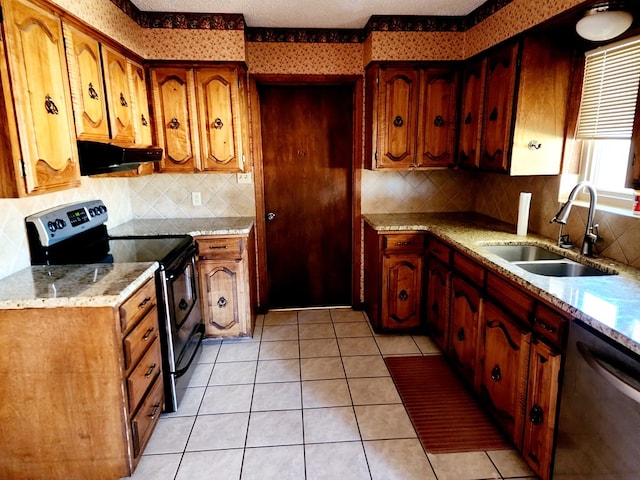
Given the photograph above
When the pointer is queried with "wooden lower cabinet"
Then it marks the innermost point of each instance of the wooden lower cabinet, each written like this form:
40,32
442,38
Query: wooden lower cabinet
466,305
437,309
393,279
227,284
541,408
504,367
82,389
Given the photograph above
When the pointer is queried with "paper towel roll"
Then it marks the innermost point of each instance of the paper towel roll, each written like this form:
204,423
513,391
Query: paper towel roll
523,213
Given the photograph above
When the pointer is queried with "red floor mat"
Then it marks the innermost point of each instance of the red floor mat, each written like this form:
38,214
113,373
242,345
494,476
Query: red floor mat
445,415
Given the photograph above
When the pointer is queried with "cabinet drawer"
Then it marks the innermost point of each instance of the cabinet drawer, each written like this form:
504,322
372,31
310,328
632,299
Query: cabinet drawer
510,297
137,305
219,247
403,242
144,421
439,250
470,269
550,324
139,339
143,375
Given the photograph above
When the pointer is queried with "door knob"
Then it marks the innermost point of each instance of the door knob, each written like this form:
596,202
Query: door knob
270,216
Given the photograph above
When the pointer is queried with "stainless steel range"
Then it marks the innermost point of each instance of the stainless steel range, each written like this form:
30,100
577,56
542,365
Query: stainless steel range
76,234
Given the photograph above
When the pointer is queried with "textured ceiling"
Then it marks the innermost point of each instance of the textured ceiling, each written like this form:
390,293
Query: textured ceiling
312,13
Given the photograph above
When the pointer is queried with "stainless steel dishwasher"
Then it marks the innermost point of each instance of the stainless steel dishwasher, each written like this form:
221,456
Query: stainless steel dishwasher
599,421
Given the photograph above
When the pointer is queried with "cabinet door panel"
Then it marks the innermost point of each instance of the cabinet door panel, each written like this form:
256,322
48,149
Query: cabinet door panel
41,94
401,291
498,109
87,87
437,121
465,307
118,96
541,409
142,121
398,101
504,366
175,115
220,282
470,123
220,112
437,314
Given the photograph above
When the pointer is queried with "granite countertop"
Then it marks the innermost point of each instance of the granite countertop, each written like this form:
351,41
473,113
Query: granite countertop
92,285
188,226
610,303
101,285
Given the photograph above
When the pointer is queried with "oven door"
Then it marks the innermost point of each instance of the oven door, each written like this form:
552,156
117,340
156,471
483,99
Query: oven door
182,293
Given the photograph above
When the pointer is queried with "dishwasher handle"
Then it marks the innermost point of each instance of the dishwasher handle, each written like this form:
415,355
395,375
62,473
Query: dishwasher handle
620,380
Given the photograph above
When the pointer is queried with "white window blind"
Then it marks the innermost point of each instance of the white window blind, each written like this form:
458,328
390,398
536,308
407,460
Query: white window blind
610,91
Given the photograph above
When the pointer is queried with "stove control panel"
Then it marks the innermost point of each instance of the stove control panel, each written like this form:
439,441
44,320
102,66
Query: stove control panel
65,221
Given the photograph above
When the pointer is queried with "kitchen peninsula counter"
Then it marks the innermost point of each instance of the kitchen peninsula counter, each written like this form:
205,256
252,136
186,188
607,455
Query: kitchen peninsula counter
184,226
91,285
609,303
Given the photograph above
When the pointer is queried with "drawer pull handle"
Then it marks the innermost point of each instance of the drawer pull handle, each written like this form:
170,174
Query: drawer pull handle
545,326
439,121
123,101
404,244
150,371
154,412
217,247
403,296
222,302
144,302
496,374
398,121
148,333
174,124
50,105
217,124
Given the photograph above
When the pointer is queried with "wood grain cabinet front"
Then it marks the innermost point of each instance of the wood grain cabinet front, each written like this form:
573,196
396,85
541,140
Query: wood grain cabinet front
201,118
394,264
84,402
515,101
38,152
410,116
227,284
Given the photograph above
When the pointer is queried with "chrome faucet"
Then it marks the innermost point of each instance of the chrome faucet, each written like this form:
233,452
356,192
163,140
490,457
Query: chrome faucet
591,232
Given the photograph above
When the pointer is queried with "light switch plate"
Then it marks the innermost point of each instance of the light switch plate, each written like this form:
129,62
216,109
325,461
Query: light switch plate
196,199
244,178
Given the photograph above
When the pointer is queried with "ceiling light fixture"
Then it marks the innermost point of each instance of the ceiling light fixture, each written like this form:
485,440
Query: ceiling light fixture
600,23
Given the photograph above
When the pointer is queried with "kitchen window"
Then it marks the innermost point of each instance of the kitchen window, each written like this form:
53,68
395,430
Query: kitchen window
605,121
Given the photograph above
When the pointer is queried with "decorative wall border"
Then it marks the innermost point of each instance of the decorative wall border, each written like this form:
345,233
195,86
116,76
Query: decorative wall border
377,23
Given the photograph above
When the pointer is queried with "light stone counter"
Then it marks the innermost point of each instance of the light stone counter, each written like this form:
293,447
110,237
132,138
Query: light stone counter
93,285
610,304
188,226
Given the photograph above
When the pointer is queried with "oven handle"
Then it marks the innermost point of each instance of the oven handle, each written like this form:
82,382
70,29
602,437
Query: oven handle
199,330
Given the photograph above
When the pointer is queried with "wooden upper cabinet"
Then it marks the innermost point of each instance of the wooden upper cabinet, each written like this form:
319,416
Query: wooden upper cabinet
87,87
220,110
410,116
39,152
471,113
498,107
437,117
118,95
173,91
140,104
398,90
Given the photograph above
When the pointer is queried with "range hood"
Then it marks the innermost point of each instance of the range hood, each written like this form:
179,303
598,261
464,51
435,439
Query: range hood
98,157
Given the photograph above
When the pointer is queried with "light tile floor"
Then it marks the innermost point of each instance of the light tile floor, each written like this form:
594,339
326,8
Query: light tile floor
307,398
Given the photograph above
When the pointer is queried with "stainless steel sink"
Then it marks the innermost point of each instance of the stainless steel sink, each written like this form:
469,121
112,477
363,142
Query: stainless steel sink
565,268
540,261
523,253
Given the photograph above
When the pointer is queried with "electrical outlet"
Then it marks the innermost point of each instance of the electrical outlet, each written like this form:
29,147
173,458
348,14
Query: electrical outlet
196,199
244,178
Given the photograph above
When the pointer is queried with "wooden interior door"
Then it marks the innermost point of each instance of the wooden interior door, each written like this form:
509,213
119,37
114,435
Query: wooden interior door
307,148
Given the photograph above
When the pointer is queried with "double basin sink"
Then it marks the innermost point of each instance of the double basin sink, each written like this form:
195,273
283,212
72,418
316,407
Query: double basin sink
541,261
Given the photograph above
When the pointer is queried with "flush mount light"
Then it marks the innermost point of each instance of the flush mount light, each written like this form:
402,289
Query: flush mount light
599,24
